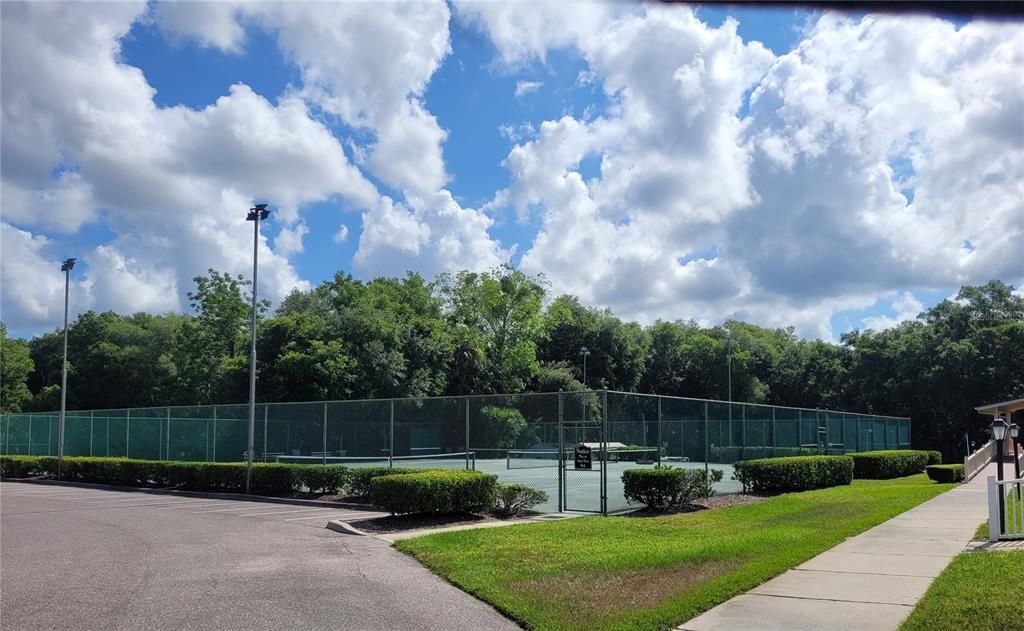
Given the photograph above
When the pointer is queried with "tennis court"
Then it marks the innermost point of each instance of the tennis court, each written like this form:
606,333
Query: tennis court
515,436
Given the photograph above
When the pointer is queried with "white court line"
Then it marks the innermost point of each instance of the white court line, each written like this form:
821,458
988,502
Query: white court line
325,516
284,512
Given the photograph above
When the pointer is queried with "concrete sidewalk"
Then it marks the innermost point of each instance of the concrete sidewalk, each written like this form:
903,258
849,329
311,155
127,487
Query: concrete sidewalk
868,582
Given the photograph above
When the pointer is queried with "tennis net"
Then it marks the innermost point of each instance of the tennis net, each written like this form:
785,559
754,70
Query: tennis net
424,461
533,458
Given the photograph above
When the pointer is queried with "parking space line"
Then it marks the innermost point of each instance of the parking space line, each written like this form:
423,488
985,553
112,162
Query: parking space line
285,512
339,515
224,510
198,504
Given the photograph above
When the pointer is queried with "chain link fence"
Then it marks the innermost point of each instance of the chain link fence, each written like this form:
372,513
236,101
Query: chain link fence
529,439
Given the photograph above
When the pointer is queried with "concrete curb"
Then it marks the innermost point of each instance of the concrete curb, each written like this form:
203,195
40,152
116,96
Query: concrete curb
345,528
238,497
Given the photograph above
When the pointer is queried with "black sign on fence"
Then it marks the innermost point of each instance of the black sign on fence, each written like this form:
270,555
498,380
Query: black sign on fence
583,457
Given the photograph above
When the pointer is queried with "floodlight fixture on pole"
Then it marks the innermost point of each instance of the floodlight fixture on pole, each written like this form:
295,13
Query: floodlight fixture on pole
65,267
256,214
584,352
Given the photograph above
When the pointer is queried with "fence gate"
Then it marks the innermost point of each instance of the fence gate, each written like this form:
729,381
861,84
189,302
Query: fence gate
582,485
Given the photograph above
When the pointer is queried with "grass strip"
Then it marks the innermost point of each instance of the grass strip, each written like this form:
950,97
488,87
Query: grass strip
978,591
656,572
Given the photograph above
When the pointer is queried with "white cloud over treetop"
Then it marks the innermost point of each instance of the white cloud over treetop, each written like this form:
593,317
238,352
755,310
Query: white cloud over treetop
829,178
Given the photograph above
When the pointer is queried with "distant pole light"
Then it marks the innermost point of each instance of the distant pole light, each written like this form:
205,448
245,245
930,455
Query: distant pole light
256,214
65,267
584,352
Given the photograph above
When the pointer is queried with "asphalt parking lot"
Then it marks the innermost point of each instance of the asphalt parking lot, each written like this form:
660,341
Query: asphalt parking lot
87,558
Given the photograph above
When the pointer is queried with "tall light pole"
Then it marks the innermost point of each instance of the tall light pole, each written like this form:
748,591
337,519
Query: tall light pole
256,214
728,361
584,352
65,267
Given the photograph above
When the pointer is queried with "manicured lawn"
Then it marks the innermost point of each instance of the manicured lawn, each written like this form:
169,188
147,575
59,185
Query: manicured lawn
656,572
980,591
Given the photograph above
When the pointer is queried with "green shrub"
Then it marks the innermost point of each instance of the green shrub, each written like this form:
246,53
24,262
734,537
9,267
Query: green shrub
321,478
358,483
27,466
663,487
885,465
796,473
946,472
273,478
513,499
434,492
934,457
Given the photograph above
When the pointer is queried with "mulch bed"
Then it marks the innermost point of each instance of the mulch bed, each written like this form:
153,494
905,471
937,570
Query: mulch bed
402,523
704,503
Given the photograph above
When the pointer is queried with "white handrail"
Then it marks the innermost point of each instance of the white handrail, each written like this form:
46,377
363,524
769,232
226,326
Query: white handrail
976,462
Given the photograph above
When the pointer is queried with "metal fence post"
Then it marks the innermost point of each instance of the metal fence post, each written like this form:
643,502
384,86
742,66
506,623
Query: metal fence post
325,433
214,441
266,406
30,434
167,444
49,434
604,452
467,434
561,454
391,436
92,422
707,439
660,444
127,431
108,437
774,442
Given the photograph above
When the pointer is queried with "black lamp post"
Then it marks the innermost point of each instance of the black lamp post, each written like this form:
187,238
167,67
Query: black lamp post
584,353
999,428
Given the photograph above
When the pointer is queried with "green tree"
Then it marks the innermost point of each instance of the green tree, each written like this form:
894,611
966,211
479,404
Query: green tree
503,308
15,366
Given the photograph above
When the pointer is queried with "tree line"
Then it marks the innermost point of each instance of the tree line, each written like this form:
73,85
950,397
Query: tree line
496,332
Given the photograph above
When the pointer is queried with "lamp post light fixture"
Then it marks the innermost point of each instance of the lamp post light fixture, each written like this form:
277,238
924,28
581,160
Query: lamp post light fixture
584,353
256,214
999,430
65,267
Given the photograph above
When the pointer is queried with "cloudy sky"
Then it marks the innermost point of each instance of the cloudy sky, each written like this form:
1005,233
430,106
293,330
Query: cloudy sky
784,167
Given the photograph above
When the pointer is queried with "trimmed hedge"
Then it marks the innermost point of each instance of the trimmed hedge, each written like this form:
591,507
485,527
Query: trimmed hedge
934,457
885,465
513,499
664,487
945,472
359,478
434,492
27,466
321,478
267,478
796,473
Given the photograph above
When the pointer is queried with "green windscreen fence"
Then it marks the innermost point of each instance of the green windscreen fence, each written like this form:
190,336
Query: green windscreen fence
525,438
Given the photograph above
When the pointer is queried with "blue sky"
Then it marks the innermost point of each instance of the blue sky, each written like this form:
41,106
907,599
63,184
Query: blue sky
699,178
